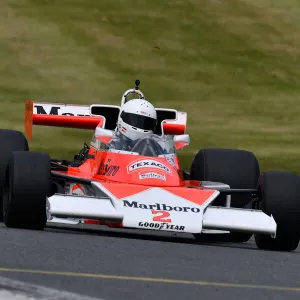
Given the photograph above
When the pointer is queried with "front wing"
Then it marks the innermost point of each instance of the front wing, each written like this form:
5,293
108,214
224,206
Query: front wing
168,209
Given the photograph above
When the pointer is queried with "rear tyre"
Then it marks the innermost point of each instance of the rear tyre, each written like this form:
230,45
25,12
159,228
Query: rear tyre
28,183
237,168
11,140
280,197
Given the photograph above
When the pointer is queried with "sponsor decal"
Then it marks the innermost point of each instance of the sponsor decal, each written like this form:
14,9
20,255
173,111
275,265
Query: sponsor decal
171,159
152,175
159,206
107,170
148,163
54,110
161,226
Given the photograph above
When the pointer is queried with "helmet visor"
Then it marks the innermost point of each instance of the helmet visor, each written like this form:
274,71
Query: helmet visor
138,121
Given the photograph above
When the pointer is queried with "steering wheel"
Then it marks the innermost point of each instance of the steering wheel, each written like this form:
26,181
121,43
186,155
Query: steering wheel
147,147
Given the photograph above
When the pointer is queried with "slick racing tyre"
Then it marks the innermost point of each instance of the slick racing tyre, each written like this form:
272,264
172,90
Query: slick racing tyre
280,197
28,182
11,140
237,168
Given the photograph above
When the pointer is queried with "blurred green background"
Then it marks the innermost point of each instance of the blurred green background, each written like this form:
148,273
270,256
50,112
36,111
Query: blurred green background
233,66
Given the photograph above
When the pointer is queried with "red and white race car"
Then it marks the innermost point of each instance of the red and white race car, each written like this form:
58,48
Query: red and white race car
144,188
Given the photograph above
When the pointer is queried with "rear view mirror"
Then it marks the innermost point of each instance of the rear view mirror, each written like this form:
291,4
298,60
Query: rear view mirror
181,141
103,135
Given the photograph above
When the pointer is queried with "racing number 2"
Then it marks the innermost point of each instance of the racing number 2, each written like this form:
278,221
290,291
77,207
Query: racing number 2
162,217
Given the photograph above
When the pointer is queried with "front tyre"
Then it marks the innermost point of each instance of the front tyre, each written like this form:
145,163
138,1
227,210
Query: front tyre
28,183
280,197
11,140
237,168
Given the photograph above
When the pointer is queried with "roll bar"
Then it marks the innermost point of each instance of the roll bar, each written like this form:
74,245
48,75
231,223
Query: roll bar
135,91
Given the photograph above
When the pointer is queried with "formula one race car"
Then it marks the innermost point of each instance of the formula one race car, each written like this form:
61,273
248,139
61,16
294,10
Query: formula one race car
144,188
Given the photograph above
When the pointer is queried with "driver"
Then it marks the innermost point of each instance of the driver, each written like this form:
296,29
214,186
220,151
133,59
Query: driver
137,119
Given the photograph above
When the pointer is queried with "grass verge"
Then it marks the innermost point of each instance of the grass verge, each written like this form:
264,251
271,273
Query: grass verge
232,65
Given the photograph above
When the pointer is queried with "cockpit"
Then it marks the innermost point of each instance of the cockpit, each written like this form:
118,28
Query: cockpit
152,145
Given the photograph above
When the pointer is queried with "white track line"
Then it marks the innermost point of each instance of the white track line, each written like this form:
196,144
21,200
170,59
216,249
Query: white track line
17,290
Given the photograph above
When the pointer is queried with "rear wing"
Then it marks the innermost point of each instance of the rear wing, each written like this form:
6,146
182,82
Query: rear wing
170,121
59,115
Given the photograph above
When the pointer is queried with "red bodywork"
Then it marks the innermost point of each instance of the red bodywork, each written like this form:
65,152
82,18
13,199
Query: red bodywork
109,166
121,173
115,167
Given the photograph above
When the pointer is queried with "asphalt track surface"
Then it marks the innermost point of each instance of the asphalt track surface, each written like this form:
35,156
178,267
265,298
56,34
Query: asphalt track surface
118,264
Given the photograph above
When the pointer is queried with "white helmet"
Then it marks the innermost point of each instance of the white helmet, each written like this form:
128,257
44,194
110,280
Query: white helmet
137,118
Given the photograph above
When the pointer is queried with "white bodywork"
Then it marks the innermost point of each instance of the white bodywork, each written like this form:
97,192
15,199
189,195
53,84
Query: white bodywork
175,213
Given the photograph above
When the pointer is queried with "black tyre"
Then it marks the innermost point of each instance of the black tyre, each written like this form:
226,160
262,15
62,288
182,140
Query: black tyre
237,168
11,140
28,183
280,197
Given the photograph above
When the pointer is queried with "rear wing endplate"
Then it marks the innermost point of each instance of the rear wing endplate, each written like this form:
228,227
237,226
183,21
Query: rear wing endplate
59,115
